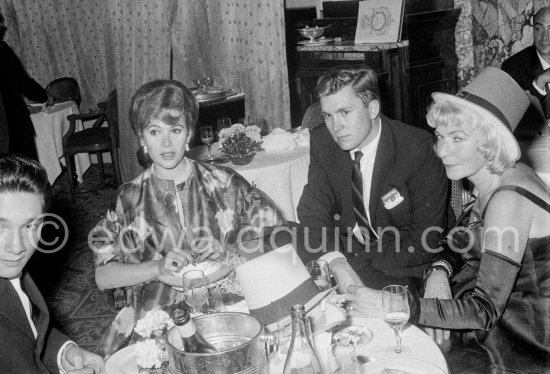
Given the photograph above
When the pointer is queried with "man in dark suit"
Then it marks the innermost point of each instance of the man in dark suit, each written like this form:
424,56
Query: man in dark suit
385,231
15,84
530,68
29,344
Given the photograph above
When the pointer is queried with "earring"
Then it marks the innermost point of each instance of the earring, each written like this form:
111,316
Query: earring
144,149
187,144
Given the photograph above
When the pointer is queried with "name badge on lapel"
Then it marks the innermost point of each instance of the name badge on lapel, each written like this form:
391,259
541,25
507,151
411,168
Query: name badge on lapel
392,199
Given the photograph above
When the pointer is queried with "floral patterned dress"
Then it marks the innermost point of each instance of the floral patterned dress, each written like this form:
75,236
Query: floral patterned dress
152,216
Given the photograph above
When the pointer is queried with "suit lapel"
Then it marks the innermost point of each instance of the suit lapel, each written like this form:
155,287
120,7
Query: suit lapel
536,66
384,155
38,302
12,308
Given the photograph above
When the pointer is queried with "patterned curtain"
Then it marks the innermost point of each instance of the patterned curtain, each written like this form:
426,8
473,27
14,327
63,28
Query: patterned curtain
59,38
242,44
138,41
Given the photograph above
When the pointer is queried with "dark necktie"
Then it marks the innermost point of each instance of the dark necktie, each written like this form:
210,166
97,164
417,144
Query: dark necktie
358,201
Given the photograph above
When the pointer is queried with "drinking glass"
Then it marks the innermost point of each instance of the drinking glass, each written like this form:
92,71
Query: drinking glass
224,123
207,137
196,298
342,359
395,306
320,273
215,299
193,278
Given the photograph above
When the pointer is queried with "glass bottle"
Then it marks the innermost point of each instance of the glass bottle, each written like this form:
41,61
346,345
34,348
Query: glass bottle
192,340
301,357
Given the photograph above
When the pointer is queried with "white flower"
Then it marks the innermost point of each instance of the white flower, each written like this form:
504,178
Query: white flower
147,354
153,321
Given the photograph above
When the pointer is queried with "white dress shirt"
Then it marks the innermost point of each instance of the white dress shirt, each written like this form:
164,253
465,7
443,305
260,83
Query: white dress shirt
16,283
545,65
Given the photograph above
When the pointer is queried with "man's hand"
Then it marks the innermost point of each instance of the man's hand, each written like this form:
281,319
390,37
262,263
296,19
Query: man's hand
344,275
79,361
364,302
437,286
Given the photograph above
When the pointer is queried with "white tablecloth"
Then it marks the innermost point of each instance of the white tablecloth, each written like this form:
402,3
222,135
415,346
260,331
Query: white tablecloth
50,125
536,153
421,346
281,175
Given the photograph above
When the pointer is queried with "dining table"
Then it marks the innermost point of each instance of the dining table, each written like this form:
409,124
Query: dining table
374,355
50,124
282,175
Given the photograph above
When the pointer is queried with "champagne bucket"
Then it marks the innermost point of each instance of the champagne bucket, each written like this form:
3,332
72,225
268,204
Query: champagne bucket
239,338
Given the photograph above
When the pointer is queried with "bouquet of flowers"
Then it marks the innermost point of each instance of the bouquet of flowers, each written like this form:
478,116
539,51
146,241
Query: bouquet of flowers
151,350
240,140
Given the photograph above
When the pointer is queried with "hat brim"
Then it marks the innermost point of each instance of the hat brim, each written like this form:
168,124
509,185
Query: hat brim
308,306
508,139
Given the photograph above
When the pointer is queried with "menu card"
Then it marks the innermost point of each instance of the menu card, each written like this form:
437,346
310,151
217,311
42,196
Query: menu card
379,21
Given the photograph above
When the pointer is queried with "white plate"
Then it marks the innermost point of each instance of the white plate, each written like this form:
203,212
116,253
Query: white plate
122,362
407,365
363,334
213,272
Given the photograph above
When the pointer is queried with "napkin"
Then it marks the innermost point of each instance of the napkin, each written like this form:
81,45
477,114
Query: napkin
279,140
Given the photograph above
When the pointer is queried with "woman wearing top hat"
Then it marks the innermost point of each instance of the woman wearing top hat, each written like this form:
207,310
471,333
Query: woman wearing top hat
501,296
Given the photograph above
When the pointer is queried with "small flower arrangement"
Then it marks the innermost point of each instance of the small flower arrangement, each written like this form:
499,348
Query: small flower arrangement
240,140
151,350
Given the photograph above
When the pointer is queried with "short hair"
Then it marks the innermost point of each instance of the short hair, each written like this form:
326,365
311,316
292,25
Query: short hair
361,79
158,95
21,174
489,143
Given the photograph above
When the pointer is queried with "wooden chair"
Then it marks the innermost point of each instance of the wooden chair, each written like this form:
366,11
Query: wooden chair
313,116
64,89
97,139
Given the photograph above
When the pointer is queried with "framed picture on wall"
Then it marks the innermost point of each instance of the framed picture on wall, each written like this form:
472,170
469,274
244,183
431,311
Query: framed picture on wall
379,21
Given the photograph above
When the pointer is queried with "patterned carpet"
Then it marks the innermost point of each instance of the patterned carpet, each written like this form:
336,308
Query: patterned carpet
66,278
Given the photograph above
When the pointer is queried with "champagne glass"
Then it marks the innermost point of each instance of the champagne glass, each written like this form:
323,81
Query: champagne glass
207,137
320,273
395,305
193,278
196,298
223,123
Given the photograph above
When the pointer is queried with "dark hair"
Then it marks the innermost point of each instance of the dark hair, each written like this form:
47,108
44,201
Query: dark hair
361,79
21,174
154,97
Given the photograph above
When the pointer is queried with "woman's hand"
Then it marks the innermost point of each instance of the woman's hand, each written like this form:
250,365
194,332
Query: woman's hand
174,261
364,302
437,286
208,248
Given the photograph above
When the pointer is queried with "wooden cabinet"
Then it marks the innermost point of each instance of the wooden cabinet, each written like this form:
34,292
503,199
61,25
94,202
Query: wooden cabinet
408,71
388,60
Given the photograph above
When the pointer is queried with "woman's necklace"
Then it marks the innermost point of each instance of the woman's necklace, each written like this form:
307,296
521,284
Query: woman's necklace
178,179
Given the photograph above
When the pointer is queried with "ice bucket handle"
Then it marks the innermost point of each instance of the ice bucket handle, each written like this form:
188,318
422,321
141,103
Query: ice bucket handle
271,344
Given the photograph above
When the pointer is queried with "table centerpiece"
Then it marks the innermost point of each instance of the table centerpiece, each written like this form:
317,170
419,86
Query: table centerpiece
150,349
240,143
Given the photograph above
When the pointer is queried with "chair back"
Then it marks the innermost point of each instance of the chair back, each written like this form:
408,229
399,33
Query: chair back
64,89
313,116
